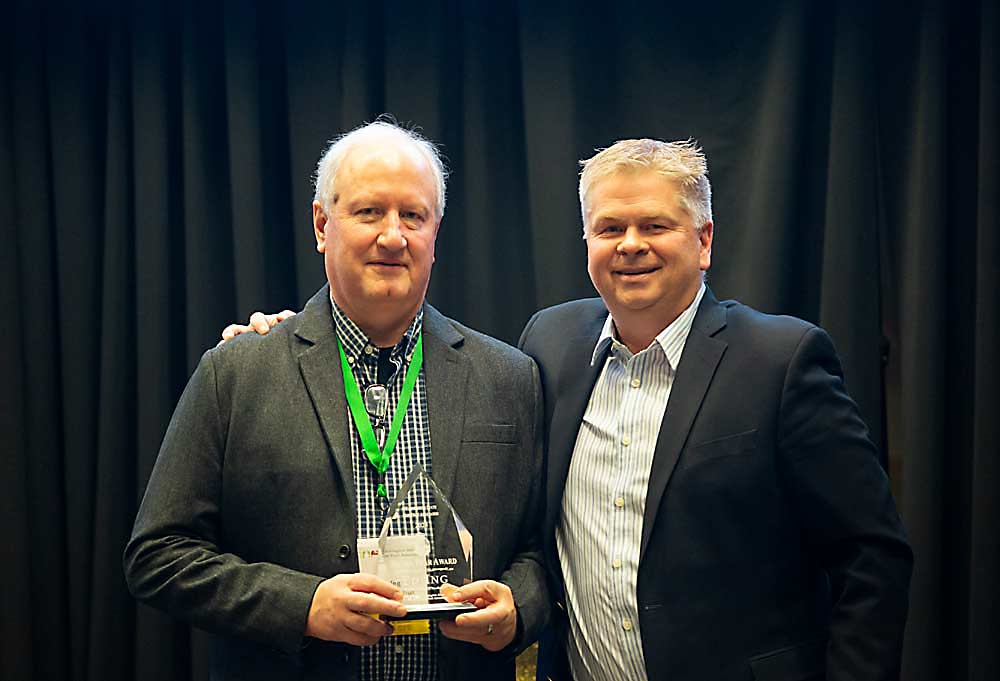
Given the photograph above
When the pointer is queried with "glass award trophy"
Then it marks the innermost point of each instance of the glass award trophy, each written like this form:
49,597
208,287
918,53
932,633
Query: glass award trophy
423,545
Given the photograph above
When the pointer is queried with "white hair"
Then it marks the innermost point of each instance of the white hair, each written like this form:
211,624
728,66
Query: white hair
329,163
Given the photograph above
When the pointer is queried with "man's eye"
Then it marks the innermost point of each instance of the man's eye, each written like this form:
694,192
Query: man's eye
412,216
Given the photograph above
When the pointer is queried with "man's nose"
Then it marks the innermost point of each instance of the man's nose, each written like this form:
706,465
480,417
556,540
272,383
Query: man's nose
391,237
632,241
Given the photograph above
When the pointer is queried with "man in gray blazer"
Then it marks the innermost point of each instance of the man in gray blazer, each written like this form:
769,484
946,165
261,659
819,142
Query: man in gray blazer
251,520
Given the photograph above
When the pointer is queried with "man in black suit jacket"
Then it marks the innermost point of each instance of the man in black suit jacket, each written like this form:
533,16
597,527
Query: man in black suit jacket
753,534
250,523
715,509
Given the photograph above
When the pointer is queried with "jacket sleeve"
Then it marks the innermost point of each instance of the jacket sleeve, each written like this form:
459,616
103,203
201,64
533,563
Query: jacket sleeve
849,519
526,575
174,560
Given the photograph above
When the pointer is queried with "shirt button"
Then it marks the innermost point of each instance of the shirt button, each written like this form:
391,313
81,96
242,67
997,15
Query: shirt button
350,360
627,624
616,563
626,440
369,350
619,501
636,382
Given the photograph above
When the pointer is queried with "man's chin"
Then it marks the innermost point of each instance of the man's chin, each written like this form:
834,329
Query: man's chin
389,294
396,294
400,292
635,299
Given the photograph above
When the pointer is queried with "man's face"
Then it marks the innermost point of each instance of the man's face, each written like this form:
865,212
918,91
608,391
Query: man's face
644,253
378,239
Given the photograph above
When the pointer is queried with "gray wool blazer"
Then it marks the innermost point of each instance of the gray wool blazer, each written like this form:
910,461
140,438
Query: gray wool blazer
251,502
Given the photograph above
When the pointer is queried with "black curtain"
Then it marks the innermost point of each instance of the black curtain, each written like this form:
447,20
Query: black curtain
155,161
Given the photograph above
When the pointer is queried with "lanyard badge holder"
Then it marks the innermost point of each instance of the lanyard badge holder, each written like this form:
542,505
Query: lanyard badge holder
419,515
379,453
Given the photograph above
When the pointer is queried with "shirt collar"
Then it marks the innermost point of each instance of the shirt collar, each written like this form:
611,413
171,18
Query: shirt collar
671,339
356,342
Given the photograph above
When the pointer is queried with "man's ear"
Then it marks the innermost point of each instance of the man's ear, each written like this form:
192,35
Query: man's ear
705,237
320,222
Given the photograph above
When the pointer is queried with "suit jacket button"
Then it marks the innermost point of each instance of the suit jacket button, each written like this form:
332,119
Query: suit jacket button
344,551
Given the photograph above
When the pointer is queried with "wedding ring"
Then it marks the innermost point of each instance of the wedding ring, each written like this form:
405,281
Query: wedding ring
489,629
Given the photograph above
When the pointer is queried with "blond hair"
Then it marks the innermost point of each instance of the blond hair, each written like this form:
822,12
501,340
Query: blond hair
682,161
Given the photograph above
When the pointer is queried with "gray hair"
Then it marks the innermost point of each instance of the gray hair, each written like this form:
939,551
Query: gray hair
329,163
681,161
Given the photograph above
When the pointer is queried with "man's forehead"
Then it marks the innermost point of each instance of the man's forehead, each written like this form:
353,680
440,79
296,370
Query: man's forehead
382,165
638,179
385,151
637,192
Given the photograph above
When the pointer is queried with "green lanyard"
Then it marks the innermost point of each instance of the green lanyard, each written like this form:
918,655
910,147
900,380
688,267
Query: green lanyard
380,457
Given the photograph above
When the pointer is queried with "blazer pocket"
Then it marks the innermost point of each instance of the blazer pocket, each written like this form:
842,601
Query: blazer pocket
804,662
492,433
729,445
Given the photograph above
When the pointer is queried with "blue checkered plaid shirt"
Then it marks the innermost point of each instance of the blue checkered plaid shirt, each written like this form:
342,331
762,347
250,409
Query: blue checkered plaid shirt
397,658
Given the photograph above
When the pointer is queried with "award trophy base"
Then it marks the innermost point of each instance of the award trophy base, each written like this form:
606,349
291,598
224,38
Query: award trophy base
433,611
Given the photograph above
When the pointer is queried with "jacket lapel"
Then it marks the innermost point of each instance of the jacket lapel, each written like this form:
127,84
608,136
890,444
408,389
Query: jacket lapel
447,374
319,364
445,369
574,382
702,353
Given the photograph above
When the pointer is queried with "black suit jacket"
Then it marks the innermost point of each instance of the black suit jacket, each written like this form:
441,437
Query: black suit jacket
251,502
771,546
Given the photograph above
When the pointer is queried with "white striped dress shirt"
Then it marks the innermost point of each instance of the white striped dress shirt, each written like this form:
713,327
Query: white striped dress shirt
600,530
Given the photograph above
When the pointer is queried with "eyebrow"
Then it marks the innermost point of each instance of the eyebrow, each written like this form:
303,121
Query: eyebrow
410,203
643,219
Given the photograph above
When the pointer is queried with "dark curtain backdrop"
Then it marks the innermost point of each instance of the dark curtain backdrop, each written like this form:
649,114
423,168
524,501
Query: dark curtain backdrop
155,162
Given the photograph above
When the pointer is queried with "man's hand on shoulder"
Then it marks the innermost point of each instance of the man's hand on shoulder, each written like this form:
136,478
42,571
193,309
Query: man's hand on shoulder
494,625
342,606
259,322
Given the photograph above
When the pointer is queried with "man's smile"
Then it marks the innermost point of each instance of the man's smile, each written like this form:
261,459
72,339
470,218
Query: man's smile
635,272
387,264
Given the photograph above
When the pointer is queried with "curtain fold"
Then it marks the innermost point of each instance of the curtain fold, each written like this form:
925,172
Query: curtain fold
984,561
